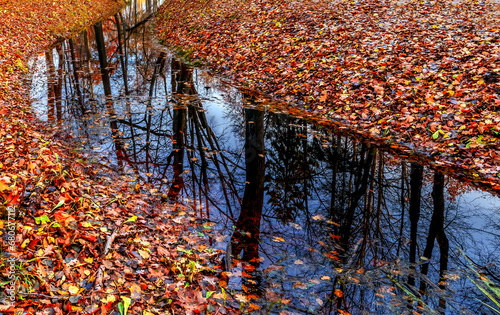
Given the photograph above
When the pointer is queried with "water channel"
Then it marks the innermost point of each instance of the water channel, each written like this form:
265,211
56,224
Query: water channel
321,220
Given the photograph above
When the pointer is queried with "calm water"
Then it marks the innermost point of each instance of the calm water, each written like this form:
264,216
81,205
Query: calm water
319,221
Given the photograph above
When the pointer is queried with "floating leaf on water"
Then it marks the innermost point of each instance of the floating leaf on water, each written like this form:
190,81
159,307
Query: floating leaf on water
278,239
318,217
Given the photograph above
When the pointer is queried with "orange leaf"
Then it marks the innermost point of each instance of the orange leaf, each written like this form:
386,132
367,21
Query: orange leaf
339,293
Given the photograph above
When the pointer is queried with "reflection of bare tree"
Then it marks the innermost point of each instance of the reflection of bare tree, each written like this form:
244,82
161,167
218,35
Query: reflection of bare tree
436,232
245,238
287,166
55,85
415,195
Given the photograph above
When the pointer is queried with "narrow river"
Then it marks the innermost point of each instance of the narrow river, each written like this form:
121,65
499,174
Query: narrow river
312,220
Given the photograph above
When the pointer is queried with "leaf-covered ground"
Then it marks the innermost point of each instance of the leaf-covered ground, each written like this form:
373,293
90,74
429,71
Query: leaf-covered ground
422,74
86,240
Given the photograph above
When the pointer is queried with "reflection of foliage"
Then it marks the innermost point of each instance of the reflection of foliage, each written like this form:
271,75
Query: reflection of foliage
287,165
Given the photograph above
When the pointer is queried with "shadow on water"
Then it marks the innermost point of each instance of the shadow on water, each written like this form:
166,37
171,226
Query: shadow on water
307,220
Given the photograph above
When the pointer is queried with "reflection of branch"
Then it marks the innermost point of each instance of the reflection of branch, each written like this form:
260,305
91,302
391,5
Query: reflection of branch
156,133
212,139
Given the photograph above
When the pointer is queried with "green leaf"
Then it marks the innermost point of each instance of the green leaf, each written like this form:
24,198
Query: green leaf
209,294
189,252
58,205
42,219
435,135
126,304
223,294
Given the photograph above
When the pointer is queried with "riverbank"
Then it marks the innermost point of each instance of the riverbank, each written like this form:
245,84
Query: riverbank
78,237
419,75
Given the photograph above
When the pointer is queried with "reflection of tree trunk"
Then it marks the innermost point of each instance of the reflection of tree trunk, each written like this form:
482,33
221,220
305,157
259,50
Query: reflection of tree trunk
335,165
101,48
58,87
113,122
182,83
436,231
415,194
246,234
75,73
367,214
51,85
403,205
380,178
179,129
160,63
360,186
121,52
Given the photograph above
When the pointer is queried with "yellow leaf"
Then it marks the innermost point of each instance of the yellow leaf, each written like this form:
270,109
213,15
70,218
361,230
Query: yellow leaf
89,260
132,219
325,278
86,272
25,243
144,254
109,298
73,289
